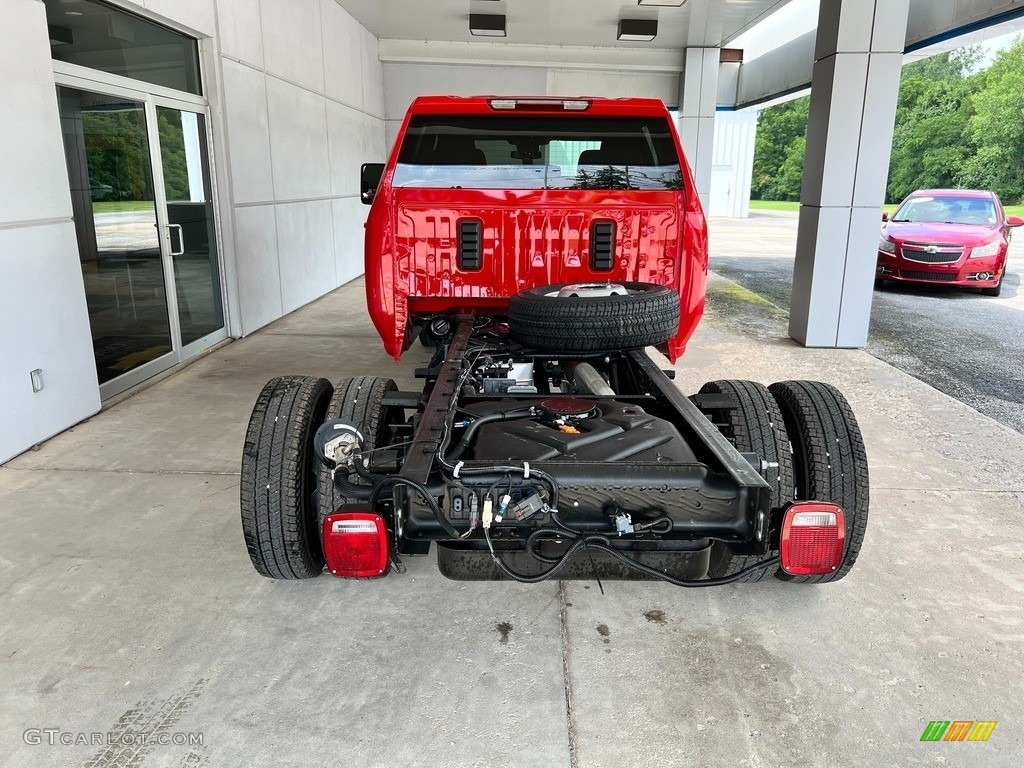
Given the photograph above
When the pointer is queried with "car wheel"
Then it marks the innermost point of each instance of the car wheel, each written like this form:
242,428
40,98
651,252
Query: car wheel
358,401
997,288
829,460
586,317
279,478
754,425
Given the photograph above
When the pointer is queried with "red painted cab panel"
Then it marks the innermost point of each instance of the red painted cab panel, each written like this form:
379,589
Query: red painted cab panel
531,223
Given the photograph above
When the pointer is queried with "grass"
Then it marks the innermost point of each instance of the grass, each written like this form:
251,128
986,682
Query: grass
120,206
774,205
792,205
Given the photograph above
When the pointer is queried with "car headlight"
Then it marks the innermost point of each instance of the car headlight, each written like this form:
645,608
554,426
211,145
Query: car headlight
886,245
988,249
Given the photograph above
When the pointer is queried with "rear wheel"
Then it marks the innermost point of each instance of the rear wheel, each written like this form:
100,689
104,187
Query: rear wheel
585,317
829,460
279,479
753,425
358,401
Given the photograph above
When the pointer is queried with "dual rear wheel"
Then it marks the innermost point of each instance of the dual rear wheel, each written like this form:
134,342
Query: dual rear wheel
285,493
808,430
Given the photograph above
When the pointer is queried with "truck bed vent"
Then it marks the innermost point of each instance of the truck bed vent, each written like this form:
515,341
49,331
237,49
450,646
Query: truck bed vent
469,244
602,245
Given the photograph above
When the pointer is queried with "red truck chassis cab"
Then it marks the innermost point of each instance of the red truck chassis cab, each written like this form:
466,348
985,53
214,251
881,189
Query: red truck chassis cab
539,245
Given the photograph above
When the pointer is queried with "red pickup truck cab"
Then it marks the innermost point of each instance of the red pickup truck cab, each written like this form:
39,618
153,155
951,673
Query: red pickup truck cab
539,246
529,186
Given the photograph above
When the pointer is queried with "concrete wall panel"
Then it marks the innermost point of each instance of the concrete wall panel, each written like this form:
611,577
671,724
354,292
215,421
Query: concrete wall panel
44,322
258,266
596,82
349,215
298,142
305,240
35,178
404,82
245,103
292,43
343,56
241,32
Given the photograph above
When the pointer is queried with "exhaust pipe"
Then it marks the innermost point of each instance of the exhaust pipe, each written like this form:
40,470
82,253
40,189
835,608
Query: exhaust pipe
587,378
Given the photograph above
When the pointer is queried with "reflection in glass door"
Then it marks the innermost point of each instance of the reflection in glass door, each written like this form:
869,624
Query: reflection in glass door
109,166
144,215
191,229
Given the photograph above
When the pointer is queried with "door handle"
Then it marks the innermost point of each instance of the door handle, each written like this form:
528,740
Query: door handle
181,239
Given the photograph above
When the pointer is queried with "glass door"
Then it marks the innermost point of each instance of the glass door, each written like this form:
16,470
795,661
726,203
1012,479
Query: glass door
109,157
143,206
190,228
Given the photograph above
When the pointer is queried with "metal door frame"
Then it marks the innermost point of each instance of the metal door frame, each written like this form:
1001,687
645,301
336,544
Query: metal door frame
153,96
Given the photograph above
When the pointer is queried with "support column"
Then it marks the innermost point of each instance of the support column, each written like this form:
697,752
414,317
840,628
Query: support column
854,90
698,98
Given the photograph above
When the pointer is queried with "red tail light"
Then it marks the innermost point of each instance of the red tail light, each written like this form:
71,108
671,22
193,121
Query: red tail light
356,545
812,540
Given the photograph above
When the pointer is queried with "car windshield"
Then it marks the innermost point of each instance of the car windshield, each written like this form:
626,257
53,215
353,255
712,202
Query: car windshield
948,209
556,152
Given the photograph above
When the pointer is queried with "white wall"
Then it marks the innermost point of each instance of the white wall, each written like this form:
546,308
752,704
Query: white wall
303,106
43,318
404,82
418,68
733,164
297,96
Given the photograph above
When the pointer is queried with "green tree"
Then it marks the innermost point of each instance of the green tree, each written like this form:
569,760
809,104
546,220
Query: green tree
931,141
779,130
116,151
172,148
997,128
787,183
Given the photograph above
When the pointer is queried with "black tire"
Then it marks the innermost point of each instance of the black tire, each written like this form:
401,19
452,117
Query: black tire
648,315
279,478
879,283
829,460
755,425
358,401
997,288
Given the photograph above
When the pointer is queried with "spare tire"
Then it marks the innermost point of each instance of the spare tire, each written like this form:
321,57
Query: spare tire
588,317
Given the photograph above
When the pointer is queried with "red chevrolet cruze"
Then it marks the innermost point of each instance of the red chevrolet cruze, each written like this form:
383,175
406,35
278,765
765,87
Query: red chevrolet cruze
949,236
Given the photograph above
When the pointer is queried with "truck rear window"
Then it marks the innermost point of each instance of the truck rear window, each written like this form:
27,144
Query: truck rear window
517,152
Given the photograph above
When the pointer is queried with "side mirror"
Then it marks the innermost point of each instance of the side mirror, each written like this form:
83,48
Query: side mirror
885,215
1015,221
369,180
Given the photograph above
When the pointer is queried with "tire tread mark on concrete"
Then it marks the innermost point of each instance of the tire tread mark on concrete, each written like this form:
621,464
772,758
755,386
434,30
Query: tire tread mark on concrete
147,718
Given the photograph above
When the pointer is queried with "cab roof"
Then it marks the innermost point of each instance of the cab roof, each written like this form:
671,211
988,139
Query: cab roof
593,106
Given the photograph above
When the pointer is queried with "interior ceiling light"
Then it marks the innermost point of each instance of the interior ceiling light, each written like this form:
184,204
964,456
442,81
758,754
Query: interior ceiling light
662,3
638,30
487,24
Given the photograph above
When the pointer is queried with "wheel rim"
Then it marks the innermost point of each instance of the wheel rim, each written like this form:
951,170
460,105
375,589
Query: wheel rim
588,291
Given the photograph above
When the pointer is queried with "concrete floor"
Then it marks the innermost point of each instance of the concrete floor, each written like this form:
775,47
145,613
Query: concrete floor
964,344
129,606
